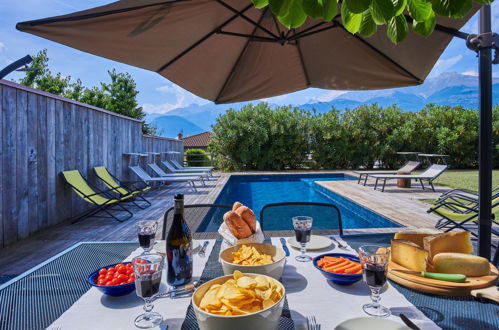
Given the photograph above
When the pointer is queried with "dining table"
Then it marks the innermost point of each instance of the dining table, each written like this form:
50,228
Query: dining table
56,295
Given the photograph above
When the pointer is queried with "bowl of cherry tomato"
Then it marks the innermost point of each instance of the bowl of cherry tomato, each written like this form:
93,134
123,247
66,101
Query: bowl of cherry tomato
114,280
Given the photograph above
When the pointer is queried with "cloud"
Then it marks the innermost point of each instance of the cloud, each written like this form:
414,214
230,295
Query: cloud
181,96
473,73
4,60
444,65
326,97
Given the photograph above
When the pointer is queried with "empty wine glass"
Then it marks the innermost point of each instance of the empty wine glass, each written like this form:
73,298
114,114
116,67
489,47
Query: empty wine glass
147,234
374,260
148,269
303,227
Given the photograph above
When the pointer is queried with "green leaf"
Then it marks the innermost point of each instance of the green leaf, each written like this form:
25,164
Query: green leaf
484,2
357,6
260,3
451,8
382,11
426,27
312,8
367,27
329,9
397,28
295,16
420,10
351,21
399,6
279,7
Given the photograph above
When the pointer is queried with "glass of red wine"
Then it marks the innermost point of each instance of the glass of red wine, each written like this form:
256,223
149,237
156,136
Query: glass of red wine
374,260
303,227
148,269
147,234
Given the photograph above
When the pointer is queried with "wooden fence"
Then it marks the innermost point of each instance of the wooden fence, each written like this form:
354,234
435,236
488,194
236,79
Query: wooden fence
43,134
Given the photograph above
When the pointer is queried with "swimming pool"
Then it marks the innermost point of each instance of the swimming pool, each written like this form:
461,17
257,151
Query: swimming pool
255,191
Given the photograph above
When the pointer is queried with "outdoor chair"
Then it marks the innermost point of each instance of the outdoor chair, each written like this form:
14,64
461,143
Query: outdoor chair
199,215
146,178
160,173
181,167
459,216
465,194
122,188
431,174
171,168
100,198
277,216
407,168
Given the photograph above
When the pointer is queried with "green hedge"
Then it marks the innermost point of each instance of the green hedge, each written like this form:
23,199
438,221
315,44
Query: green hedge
197,157
260,138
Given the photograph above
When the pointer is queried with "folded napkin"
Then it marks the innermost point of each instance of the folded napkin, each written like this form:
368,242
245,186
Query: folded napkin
230,240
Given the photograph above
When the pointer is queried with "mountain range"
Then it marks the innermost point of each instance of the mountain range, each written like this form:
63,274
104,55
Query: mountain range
446,89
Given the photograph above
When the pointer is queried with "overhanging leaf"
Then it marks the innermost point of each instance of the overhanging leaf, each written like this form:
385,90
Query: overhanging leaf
426,27
295,16
451,8
357,6
312,8
367,26
382,11
397,28
279,7
351,21
260,3
399,6
420,10
329,9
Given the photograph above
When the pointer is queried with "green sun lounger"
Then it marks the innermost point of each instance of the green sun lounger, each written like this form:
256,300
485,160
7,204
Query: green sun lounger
134,188
102,199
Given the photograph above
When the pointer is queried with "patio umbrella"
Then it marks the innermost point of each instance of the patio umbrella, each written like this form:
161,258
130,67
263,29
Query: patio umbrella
228,51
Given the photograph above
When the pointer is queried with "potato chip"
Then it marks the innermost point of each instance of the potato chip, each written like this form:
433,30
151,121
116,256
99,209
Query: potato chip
249,256
241,295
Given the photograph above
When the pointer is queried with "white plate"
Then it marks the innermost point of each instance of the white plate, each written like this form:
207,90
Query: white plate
160,246
371,323
316,242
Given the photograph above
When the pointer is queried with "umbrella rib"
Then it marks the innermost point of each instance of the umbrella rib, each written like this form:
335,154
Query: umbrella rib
231,73
305,73
445,29
379,52
302,35
194,45
94,15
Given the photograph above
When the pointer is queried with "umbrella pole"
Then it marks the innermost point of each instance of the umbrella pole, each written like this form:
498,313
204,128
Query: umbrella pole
485,140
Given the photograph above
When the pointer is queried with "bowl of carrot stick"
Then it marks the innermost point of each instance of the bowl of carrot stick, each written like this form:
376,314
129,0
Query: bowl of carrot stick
339,268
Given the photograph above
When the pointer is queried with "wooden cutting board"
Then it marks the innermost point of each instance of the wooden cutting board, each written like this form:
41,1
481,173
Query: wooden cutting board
430,285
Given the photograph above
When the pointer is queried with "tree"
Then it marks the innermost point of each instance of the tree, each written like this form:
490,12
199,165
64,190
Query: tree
364,16
119,96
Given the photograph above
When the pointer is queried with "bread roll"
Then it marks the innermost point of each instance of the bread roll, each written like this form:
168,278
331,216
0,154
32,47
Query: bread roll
236,206
237,226
248,216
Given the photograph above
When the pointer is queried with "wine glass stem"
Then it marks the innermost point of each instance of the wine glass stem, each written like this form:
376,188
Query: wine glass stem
375,297
148,305
303,249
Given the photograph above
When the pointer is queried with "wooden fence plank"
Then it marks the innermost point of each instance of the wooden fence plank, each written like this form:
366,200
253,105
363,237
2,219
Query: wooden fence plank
1,166
52,175
42,163
34,210
62,190
22,164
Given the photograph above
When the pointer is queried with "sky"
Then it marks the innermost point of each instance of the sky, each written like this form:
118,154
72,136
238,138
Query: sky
157,94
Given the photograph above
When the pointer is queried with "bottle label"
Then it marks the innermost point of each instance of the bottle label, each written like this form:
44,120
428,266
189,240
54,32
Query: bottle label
180,264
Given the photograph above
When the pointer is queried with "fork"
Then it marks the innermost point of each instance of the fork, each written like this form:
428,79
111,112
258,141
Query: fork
312,324
341,246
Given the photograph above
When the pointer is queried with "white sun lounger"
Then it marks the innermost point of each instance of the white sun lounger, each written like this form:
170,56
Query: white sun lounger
429,175
180,167
159,172
171,168
407,168
144,176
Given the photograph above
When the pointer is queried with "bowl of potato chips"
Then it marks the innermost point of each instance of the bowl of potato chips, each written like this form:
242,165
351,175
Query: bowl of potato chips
239,301
255,258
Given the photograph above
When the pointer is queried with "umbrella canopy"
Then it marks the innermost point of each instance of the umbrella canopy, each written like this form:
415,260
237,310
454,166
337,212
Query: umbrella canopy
228,51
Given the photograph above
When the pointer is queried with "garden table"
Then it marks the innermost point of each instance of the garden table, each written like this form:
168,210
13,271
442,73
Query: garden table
37,298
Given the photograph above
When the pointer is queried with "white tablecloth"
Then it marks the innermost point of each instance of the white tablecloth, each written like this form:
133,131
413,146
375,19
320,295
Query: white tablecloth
95,310
310,294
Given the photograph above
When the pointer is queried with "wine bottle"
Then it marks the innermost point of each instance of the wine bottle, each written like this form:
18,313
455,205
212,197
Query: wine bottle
179,247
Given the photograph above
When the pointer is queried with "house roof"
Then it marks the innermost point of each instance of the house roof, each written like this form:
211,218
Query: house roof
198,140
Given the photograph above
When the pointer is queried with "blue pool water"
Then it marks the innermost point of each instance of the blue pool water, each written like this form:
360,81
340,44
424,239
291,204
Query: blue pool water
255,191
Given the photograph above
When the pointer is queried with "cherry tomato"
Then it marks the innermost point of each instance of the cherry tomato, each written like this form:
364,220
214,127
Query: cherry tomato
121,270
108,283
102,271
122,278
129,271
111,269
130,280
101,282
119,266
131,277
129,266
110,274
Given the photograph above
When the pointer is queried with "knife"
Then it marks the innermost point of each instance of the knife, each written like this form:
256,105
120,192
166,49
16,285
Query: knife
435,276
408,322
284,247
202,252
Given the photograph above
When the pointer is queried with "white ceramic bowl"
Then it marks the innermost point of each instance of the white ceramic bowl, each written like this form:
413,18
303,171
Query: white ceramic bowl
274,269
267,319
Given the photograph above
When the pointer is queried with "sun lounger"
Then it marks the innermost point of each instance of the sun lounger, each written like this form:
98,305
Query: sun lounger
172,169
135,188
144,176
180,167
407,168
159,172
100,198
429,175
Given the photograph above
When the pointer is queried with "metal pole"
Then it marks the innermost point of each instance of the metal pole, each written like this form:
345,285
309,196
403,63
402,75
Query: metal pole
485,141
15,65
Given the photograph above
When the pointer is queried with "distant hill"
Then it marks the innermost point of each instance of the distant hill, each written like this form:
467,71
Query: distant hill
170,126
446,89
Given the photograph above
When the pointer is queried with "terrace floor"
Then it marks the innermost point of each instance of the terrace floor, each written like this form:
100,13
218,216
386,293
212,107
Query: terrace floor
400,205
